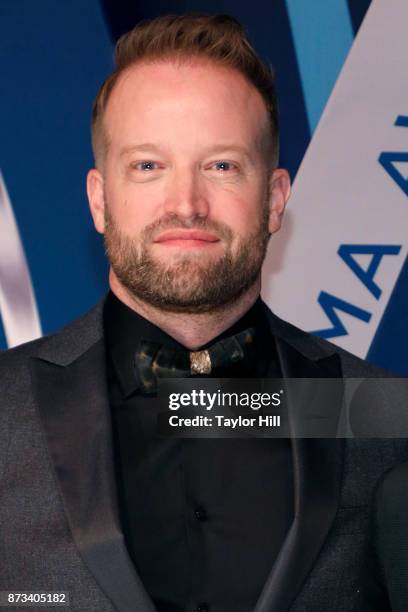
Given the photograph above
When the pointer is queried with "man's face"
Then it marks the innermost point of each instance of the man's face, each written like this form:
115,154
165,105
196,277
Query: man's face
186,195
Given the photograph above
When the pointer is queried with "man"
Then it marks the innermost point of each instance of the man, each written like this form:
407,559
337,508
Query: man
186,191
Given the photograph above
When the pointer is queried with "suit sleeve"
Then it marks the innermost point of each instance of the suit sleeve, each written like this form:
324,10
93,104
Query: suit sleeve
385,579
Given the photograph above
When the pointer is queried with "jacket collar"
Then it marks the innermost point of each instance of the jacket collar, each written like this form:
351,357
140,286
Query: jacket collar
77,337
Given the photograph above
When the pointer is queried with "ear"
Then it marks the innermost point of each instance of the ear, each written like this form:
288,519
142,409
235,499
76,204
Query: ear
279,195
94,189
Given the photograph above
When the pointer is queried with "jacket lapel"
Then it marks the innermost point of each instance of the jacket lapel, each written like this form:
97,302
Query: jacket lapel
317,468
71,392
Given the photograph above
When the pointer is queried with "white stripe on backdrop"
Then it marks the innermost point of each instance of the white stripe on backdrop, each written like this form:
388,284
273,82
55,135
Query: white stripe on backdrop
18,307
344,198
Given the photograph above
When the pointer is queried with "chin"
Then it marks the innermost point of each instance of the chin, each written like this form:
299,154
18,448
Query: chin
180,254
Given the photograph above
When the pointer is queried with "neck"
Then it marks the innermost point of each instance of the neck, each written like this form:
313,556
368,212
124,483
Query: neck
191,330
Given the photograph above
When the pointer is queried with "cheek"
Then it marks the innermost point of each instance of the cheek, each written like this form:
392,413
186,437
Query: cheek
241,212
131,207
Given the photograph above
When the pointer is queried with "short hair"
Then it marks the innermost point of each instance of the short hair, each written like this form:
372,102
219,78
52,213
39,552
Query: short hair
218,38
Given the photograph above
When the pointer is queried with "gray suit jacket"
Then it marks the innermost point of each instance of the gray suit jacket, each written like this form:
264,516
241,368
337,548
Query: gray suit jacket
59,525
385,585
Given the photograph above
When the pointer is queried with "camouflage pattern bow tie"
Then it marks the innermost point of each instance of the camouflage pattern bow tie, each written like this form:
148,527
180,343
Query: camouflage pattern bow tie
153,360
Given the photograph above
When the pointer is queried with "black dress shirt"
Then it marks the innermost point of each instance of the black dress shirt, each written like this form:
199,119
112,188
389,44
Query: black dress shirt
203,519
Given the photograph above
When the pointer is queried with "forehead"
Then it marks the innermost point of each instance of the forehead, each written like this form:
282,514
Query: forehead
195,99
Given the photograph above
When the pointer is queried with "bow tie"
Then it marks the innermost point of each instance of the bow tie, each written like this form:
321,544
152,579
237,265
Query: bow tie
153,360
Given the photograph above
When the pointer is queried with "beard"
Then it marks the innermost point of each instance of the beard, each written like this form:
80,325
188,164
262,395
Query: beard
189,282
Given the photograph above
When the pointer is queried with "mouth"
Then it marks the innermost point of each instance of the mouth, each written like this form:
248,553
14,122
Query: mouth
186,238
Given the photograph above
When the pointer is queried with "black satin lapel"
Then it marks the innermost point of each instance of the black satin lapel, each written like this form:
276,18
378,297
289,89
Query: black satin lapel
75,414
317,467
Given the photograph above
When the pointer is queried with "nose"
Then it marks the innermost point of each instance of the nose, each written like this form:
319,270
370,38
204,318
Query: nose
185,195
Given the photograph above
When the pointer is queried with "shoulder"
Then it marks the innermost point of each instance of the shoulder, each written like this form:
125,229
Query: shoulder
317,348
60,346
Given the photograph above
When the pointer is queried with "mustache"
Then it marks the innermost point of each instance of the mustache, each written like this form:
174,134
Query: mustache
220,230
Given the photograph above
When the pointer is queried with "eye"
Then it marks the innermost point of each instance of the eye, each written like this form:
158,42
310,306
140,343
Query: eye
224,166
145,166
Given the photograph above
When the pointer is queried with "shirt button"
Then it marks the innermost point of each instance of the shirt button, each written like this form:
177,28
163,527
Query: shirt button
201,515
202,607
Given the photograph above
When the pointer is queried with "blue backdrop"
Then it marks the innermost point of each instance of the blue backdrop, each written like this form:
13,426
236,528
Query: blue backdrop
55,56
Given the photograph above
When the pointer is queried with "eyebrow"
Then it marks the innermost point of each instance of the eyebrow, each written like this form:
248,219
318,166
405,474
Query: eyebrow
149,147
145,147
236,148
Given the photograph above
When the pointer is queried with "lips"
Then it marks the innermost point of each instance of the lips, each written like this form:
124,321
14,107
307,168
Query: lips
186,237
